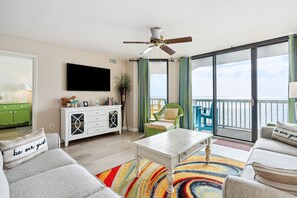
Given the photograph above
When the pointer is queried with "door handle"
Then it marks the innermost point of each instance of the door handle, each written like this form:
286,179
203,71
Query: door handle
252,102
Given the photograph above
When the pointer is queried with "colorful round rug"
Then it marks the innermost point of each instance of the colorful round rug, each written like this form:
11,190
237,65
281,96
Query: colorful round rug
192,178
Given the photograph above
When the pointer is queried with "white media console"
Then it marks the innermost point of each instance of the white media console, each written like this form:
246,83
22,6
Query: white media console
82,122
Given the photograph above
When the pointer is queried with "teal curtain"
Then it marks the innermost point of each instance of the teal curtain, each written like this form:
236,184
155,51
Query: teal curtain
185,92
292,75
143,93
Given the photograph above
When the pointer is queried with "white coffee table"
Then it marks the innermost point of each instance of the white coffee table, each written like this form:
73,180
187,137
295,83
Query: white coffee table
170,148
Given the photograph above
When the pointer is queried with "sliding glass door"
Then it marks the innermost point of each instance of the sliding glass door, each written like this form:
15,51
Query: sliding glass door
202,92
234,99
237,91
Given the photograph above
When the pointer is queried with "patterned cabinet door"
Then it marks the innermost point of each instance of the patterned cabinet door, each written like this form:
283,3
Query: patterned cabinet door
77,121
113,119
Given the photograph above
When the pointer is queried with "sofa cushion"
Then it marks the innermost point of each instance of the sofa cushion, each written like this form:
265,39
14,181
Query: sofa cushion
269,158
275,146
24,148
4,187
283,179
285,133
248,172
104,193
48,160
68,181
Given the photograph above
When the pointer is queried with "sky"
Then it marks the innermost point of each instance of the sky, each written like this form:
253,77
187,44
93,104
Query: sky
234,80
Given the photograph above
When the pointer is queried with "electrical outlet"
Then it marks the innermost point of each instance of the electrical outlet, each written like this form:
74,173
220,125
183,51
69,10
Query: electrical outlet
52,126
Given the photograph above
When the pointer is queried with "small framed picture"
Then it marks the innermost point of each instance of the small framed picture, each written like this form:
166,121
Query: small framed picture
85,103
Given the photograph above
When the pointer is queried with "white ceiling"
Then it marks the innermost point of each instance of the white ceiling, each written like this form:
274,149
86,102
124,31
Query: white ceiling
101,26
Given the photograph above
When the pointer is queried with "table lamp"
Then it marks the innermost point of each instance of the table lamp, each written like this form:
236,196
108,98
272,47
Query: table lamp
293,94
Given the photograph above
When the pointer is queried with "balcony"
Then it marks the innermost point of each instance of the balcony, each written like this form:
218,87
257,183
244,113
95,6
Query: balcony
235,118
234,115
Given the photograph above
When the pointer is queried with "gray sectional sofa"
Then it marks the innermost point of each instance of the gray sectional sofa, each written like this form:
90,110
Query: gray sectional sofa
51,174
267,152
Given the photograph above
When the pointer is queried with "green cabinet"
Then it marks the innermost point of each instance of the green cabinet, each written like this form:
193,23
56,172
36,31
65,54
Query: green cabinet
15,113
6,117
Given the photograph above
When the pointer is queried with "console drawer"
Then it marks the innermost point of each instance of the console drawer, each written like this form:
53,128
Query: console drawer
97,124
97,118
184,155
97,112
97,130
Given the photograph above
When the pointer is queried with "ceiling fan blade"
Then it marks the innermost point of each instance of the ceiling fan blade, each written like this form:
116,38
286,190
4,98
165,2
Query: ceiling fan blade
135,42
178,40
147,50
167,49
156,32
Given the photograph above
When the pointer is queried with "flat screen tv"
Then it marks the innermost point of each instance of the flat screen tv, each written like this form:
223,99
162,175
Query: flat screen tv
87,78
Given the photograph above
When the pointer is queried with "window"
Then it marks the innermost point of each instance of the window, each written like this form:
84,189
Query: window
158,85
273,78
202,87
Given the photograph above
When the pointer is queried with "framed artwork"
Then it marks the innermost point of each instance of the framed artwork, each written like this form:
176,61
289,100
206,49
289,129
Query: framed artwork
85,103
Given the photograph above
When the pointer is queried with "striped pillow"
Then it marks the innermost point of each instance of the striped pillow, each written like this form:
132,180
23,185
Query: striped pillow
285,133
23,148
282,179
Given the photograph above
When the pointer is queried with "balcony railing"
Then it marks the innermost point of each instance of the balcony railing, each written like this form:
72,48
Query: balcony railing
156,105
236,113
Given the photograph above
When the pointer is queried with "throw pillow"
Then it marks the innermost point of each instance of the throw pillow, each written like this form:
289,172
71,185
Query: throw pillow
23,148
285,133
171,114
282,179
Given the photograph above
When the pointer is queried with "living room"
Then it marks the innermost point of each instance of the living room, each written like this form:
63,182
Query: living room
223,73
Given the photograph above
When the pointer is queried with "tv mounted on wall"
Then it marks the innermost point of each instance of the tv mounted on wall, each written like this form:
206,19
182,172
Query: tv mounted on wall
87,78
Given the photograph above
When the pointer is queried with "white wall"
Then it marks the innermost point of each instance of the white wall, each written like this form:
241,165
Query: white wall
14,72
173,73
51,75
132,104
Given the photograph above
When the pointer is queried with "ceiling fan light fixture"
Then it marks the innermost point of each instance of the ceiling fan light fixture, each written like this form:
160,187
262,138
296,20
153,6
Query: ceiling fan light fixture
147,50
156,32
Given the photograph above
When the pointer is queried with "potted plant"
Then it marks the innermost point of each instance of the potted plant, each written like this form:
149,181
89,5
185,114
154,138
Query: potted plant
123,85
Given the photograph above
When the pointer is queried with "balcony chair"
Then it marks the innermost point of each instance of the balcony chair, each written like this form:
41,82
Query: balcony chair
164,114
206,116
156,107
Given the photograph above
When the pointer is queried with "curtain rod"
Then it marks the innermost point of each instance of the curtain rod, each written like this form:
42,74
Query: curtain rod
154,60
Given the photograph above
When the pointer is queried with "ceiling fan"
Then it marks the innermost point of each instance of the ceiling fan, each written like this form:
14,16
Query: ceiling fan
158,40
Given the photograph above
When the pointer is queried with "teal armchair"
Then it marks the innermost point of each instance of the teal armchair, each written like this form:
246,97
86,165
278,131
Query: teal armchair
160,116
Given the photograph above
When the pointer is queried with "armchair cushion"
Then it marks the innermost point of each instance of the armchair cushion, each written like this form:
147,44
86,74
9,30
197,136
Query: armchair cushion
171,114
283,179
160,116
165,120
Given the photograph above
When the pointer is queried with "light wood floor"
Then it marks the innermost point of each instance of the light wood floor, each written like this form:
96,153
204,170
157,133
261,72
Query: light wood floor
103,152
14,132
